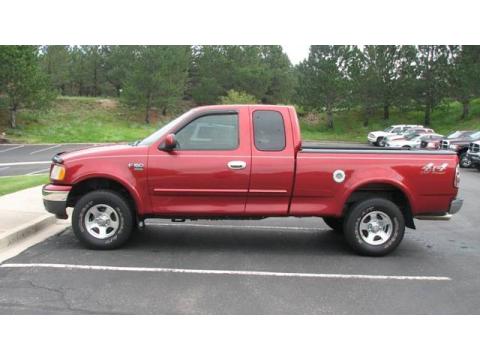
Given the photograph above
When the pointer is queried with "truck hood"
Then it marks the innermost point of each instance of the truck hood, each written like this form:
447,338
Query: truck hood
379,133
103,151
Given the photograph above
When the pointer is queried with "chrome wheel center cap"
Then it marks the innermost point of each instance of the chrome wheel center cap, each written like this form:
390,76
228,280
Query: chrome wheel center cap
374,227
102,220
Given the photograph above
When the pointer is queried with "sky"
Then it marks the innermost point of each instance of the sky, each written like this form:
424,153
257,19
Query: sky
296,52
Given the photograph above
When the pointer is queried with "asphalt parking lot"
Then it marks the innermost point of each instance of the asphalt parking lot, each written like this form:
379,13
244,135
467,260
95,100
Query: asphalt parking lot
24,159
273,266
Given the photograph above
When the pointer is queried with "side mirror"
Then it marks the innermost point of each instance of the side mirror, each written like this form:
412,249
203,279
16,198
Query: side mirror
170,142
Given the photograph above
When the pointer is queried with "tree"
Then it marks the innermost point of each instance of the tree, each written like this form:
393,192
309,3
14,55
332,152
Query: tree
465,75
431,73
118,63
55,61
22,80
262,71
158,77
238,97
323,78
380,76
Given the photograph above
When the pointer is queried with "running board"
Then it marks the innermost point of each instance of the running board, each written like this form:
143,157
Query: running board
441,217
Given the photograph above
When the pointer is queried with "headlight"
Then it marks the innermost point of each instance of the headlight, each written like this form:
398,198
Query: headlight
57,173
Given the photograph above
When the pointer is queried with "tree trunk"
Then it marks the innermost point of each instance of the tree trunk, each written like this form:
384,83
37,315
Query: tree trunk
147,115
428,110
386,112
13,117
466,109
329,119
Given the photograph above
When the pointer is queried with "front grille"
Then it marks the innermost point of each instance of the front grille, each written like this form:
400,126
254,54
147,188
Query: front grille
444,144
474,148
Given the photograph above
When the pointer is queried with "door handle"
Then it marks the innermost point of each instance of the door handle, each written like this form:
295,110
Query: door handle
237,165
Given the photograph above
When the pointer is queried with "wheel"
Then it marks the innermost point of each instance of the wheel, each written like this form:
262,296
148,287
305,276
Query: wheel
380,141
374,227
406,147
465,161
102,219
335,223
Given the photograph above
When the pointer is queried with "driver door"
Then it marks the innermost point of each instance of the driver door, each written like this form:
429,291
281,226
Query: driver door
208,172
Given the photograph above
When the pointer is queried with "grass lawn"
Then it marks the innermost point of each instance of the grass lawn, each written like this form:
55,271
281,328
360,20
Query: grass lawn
80,119
10,184
83,119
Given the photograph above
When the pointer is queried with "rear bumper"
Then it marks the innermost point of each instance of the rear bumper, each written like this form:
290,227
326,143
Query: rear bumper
55,199
455,207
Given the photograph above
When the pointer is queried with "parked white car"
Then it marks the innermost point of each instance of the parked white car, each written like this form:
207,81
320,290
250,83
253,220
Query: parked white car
375,137
409,133
411,141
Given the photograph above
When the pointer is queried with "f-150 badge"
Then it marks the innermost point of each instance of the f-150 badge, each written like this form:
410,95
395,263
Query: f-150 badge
431,168
136,166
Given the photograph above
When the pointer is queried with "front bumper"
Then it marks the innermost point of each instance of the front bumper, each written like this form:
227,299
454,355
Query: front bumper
55,199
474,158
455,207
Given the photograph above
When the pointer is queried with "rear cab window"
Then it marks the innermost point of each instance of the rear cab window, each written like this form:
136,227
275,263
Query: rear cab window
268,130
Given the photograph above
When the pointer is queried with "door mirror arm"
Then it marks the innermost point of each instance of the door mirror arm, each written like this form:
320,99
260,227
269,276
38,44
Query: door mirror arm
169,144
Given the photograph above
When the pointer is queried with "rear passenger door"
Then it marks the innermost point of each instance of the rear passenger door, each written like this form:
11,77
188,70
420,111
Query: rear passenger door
273,161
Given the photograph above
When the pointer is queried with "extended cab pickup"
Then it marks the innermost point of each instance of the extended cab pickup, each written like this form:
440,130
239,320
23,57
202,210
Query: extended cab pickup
247,161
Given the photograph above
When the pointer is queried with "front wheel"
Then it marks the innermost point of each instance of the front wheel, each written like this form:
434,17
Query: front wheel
374,227
465,161
102,219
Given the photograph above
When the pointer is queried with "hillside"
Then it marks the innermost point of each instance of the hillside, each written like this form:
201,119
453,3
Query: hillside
83,119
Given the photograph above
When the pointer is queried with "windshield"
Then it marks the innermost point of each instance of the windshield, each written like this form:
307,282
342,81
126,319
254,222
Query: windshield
411,136
454,135
163,130
388,129
475,136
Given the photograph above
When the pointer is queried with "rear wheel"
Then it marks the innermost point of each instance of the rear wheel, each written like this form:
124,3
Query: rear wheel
334,223
374,227
465,161
102,219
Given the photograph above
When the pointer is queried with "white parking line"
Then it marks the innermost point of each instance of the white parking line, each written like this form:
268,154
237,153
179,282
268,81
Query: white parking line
45,149
46,171
25,163
267,227
227,272
13,148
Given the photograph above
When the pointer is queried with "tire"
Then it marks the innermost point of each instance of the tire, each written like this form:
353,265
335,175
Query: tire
379,141
464,161
388,223
334,223
103,220
406,147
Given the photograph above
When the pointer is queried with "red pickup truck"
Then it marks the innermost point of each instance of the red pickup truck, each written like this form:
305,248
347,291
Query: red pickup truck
248,162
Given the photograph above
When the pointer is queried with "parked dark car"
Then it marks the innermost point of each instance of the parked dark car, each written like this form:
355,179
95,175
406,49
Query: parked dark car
460,143
473,154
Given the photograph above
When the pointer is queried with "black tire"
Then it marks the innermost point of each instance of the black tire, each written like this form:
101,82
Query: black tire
334,223
465,161
406,147
125,219
360,211
379,141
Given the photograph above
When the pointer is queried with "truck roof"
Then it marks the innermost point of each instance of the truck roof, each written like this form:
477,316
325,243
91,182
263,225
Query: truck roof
236,106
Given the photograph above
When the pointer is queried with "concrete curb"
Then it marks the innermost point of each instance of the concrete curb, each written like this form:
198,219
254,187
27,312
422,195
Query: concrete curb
21,232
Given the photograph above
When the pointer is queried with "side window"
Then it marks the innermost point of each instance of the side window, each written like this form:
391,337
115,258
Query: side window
269,130
209,132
